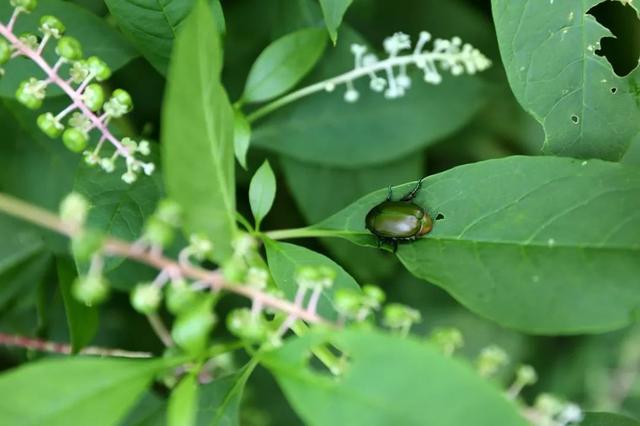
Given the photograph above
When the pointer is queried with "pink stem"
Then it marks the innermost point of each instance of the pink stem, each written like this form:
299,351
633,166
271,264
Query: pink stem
51,73
12,21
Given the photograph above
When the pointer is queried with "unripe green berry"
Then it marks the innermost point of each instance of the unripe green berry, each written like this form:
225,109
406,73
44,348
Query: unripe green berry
180,296
26,5
85,245
191,328
52,26
158,232
400,316
30,40
235,269
243,324
123,97
74,208
49,125
99,68
69,48
75,139
374,296
347,301
90,290
5,51
26,97
146,298
93,97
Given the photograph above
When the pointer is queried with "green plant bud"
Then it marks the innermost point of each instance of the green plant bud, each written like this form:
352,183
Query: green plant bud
26,95
327,276
69,48
373,296
192,327
235,270
49,125
526,375
26,5
93,97
180,296
146,298
99,68
157,232
90,290
5,51
169,212
347,301
491,359
75,139
448,339
400,316
243,244
30,40
88,243
74,209
257,277
79,71
52,26
201,247
243,324
307,276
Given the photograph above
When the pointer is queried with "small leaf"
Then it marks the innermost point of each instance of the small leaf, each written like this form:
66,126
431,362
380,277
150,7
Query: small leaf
333,11
521,233
549,51
81,319
183,402
389,380
77,391
197,134
241,137
283,64
284,261
262,192
608,419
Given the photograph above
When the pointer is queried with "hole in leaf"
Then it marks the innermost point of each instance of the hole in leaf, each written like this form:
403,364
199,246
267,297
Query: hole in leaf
623,49
439,216
575,119
614,90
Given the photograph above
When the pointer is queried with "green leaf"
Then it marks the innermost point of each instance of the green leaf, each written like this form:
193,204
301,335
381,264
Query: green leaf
220,399
324,129
95,34
333,11
241,137
74,390
18,243
262,192
283,64
549,52
118,209
284,261
543,245
197,133
608,419
150,410
183,402
82,320
151,25
417,385
19,284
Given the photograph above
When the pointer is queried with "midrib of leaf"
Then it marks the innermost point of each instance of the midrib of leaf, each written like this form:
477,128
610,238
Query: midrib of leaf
210,85
166,17
237,386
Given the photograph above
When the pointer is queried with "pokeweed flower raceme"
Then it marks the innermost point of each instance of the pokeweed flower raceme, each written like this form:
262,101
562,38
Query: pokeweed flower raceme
90,110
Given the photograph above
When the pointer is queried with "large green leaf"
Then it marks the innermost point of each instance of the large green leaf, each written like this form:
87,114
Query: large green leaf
18,243
333,11
544,245
151,25
549,51
183,402
608,419
417,385
96,36
74,391
197,133
284,261
82,320
324,129
283,64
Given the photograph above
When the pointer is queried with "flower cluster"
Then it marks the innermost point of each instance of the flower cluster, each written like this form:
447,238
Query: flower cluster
390,75
91,108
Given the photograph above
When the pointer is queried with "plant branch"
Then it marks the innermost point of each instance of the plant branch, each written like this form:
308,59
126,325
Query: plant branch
116,247
285,234
16,341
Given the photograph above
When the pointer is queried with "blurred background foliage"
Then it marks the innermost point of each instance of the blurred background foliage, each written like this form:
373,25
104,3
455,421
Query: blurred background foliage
464,120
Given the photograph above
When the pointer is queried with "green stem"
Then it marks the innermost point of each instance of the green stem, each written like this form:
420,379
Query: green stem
328,358
285,234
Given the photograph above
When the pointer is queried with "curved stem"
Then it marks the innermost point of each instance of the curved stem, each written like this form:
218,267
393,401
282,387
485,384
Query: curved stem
286,234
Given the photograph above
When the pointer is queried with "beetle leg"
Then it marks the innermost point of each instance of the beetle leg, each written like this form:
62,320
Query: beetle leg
412,194
389,194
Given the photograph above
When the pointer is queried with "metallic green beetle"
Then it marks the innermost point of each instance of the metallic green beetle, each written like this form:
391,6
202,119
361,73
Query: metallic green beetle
398,221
